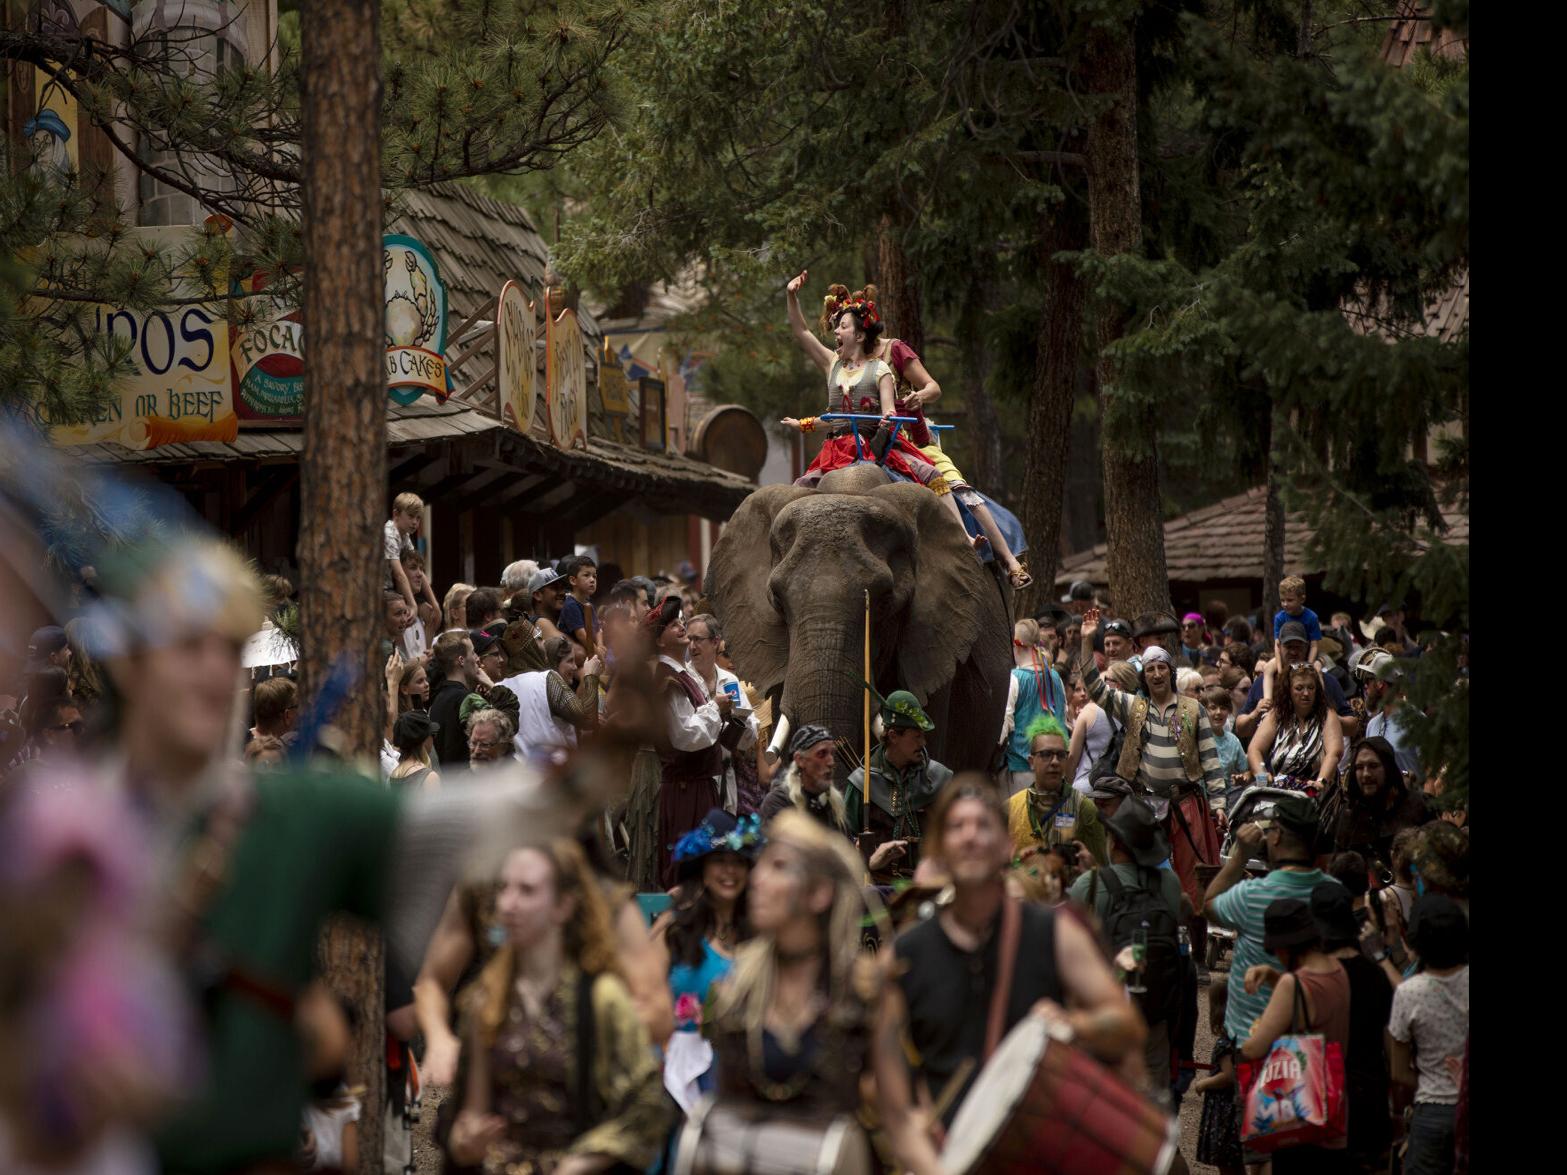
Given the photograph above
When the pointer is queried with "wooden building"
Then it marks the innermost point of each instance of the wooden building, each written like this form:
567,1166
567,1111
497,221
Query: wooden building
495,492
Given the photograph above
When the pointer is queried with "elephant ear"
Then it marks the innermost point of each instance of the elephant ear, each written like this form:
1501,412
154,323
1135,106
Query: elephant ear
943,613
737,576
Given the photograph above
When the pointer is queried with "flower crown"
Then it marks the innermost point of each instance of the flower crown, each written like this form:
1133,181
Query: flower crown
857,302
704,839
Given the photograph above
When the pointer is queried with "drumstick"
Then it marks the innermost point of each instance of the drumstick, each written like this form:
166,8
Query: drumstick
950,1090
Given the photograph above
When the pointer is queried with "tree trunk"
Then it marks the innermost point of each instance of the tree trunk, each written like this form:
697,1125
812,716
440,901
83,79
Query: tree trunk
1134,524
900,286
1273,521
989,471
343,468
1050,404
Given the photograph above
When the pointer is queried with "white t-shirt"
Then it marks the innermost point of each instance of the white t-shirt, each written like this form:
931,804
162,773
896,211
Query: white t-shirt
326,1126
394,542
1431,1012
413,640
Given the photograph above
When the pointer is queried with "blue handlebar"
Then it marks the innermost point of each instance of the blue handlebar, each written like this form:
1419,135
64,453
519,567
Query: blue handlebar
941,427
866,416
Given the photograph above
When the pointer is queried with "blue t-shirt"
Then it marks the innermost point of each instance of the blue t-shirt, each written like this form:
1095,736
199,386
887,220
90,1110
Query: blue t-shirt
1336,697
1241,908
572,618
1306,617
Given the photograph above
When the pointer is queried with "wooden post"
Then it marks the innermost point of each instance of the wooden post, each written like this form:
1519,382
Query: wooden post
343,468
865,779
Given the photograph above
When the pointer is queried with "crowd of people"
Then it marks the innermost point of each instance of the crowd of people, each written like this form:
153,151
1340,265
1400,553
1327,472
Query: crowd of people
632,909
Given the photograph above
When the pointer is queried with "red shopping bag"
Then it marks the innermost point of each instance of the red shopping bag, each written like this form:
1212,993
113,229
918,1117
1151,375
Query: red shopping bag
1295,1095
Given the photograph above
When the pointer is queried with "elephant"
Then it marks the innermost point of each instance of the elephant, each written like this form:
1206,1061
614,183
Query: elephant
788,577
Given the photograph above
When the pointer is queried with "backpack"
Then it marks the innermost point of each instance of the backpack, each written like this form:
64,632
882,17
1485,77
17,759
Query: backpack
1105,766
1145,909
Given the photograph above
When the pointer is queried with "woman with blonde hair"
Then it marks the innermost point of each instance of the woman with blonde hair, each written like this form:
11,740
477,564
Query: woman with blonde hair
557,1074
454,607
792,1021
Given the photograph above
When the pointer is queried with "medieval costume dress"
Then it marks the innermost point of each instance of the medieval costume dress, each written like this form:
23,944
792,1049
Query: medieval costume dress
690,758
539,1090
856,391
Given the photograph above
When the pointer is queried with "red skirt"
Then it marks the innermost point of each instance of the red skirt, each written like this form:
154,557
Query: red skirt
904,460
1202,845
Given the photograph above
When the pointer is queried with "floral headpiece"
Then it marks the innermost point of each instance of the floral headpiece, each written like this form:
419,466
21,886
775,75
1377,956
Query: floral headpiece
745,838
838,299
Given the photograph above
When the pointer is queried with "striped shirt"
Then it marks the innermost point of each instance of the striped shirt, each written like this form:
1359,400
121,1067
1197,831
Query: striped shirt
1161,768
1241,908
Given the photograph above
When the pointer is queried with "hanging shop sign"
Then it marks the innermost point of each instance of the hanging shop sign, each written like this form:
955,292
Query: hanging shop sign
267,359
178,386
415,321
516,357
566,381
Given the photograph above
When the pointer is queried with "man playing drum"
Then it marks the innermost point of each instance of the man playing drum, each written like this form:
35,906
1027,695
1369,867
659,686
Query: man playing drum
981,945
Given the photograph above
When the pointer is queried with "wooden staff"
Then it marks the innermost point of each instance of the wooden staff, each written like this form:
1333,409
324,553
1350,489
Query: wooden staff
865,777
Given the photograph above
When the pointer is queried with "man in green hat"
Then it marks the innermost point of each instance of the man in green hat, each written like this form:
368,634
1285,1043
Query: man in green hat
904,780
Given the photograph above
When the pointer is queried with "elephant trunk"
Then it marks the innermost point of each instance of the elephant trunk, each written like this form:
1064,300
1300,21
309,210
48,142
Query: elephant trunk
823,683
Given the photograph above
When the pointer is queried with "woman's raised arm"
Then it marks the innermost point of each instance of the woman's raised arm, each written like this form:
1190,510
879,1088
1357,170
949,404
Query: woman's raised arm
809,343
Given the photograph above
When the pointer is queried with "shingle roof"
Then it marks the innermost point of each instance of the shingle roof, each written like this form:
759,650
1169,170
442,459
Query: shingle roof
481,244
1224,541
1413,32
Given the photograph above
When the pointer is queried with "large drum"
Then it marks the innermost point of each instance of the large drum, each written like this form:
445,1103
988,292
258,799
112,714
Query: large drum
726,1138
1041,1105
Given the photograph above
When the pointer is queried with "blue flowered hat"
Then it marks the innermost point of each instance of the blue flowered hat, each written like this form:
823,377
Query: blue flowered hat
719,832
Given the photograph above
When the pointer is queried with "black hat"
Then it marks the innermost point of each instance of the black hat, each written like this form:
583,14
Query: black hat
484,641
1108,787
1438,930
413,728
1334,912
807,737
662,616
1081,589
1293,630
1136,829
719,832
1298,815
1287,922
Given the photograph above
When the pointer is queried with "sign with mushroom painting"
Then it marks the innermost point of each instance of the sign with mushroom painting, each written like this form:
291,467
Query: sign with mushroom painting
415,321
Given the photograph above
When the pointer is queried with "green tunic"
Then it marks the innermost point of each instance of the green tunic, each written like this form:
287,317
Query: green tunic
312,846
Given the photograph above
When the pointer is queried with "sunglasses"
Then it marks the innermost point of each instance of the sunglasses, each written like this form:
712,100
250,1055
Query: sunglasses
1118,628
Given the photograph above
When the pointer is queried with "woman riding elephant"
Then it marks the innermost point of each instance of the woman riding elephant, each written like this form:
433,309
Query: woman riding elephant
915,389
861,385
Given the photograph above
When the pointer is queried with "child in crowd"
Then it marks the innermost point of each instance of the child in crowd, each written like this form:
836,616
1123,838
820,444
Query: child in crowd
576,613
330,1129
1292,606
398,541
1220,704
1218,1134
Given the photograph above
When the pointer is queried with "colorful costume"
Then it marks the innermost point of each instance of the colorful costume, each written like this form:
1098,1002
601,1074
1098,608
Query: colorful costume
857,392
899,356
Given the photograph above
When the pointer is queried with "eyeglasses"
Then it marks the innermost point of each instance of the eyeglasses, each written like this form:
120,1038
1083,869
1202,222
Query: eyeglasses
1048,756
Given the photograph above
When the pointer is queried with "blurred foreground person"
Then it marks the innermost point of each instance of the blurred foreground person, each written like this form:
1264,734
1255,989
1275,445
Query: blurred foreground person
560,1074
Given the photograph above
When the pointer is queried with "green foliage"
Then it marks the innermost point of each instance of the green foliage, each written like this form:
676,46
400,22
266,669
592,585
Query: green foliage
472,87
